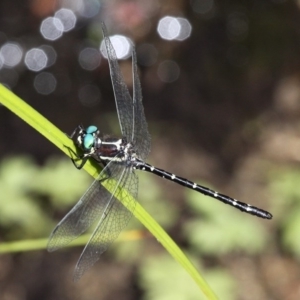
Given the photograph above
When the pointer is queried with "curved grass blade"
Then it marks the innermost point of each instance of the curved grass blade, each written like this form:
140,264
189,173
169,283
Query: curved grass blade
58,138
41,244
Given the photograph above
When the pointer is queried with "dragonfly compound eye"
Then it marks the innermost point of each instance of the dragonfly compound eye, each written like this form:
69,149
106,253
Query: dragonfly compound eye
91,129
88,141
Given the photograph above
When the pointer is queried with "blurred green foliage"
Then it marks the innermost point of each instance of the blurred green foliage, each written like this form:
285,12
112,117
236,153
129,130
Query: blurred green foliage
151,197
211,231
30,194
218,231
161,278
285,195
29,191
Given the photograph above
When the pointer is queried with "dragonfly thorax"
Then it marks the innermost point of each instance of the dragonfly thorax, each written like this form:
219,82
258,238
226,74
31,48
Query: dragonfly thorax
118,150
104,148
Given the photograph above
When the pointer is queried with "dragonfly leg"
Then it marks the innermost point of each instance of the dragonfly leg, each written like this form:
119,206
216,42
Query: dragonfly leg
76,131
81,164
76,158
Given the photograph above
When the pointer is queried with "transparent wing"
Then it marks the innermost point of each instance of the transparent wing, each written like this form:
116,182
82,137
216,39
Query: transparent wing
122,97
141,136
114,219
90,207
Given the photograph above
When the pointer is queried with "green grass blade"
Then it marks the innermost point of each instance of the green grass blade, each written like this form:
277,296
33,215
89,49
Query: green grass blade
39,244
58,138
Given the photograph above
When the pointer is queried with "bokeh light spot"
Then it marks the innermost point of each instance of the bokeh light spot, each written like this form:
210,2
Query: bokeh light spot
1,61
11,54
45,83
172,28
185,29
52,28
51,54
121,44
83,8
168,71
89,8
89,95
202,6
89,58
67,18
168,28
36,59
237,26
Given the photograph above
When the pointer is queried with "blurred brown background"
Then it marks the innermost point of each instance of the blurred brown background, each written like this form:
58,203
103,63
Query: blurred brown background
220,83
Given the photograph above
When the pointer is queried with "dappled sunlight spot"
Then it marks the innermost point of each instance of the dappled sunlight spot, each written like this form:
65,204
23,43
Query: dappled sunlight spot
11,54
121,44
45,83
89,58
168,71
36,59
89,95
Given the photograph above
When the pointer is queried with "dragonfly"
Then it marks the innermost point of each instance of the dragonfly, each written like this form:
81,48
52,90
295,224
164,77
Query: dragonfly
120,158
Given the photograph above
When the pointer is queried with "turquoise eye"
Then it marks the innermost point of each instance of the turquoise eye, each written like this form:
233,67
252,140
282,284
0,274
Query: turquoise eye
88,141
91,129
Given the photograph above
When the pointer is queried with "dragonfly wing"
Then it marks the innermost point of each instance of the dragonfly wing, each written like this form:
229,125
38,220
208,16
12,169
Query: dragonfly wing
141,136
122,97
90,206
113,220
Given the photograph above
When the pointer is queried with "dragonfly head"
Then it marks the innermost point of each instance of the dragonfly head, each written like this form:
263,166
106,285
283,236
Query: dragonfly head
89,138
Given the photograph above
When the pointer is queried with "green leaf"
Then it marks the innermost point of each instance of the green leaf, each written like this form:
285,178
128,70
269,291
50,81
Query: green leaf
58,138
